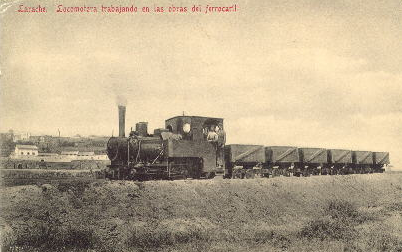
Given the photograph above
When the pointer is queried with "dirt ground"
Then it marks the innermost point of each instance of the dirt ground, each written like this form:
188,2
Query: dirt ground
319,213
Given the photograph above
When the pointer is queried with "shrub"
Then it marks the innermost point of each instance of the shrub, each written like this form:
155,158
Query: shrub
263,233
338,222
328,228
277,238
385,242
342,209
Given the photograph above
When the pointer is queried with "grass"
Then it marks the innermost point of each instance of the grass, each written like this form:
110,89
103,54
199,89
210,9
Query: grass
332,213
338,222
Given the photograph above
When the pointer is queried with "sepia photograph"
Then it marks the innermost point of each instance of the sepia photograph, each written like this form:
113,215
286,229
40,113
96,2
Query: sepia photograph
200,125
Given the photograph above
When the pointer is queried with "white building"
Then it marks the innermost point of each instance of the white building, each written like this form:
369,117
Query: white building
86,153
90,155
53,157
25,150
21,136
70,154
100,157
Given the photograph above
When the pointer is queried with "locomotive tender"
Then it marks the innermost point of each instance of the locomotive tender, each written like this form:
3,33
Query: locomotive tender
194,147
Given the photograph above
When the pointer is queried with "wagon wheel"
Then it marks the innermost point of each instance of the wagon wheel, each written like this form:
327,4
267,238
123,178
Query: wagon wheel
250,174
237,174
286,172
306,172
196,175
184,174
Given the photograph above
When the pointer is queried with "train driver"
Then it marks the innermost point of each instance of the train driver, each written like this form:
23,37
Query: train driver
212,135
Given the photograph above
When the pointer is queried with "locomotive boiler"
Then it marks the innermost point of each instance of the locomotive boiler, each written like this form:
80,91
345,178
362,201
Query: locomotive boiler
187,147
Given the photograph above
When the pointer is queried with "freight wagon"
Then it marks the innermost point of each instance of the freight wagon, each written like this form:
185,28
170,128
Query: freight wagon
287,161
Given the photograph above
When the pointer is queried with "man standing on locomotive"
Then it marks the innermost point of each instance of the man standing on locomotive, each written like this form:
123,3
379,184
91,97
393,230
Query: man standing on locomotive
217,136
212,135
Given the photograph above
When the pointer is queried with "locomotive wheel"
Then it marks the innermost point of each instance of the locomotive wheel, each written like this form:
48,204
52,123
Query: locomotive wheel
227,176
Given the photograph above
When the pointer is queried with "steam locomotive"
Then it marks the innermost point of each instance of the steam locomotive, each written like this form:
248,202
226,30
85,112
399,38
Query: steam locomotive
194,147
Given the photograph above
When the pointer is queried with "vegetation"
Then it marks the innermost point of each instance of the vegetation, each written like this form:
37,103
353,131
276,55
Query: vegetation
7,145
328,213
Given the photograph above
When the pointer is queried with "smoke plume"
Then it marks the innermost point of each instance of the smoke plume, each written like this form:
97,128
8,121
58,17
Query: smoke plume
120,85
121,99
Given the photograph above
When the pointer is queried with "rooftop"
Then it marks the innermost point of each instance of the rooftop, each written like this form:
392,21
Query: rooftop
216,118
25,146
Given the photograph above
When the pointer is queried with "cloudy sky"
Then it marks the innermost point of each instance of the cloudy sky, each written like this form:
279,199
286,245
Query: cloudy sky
321,73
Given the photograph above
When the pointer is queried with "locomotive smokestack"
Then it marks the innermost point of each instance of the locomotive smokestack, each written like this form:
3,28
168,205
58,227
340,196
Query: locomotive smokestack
122,120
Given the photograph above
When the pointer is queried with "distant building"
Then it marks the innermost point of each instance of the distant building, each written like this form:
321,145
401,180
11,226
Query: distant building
90,155
25,150
21,137
100,157
86,153
37,139
70,154
53,157
45,154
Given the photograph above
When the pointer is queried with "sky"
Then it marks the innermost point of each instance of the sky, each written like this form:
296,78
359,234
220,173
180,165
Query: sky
316,73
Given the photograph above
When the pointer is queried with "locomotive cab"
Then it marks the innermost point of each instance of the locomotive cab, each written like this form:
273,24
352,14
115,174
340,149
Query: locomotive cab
197,129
